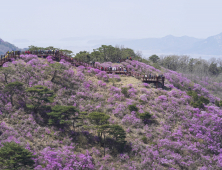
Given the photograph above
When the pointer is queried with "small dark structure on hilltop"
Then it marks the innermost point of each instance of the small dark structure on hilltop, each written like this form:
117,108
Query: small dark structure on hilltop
57,56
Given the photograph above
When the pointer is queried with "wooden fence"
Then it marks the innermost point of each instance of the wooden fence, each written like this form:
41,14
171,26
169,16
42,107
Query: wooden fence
57,56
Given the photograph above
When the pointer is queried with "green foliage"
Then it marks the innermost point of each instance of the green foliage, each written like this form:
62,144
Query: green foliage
191,65
204,100
144,139
124,90
61,115
114,130
82,140
109,53
213,69
98,118
117,132
13,156
197,104
13,88
66,52
83,55
55,69
193,94
197,101
145,116
113,80
154,58
78,119
156,65
103,128
33,48
218,103
133,108
7,71
39,95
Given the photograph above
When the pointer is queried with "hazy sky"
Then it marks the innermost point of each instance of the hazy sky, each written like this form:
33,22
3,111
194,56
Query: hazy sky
55,19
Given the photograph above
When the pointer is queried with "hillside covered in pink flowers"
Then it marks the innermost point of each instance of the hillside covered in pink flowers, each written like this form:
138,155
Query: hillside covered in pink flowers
178,127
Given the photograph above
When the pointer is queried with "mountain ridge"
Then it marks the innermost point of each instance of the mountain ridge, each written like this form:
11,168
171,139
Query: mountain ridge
172,44
6,46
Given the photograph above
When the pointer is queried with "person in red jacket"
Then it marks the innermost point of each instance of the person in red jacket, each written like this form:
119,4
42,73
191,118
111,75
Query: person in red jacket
130,58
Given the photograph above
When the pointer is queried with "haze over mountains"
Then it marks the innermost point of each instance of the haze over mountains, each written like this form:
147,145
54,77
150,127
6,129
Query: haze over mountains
170,44
5,46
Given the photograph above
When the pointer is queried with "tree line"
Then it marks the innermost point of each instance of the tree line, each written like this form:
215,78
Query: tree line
105,53
188,65
108,53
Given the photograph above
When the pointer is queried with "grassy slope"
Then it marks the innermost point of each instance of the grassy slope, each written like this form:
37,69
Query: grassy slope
170,110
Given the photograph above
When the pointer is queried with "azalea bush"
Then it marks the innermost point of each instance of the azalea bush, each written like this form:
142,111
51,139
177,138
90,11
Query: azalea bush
165,128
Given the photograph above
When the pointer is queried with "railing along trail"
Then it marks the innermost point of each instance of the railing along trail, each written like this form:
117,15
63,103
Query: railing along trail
57,56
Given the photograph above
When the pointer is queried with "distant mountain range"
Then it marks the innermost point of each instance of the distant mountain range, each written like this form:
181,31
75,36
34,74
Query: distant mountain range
166,45
5,46
171,44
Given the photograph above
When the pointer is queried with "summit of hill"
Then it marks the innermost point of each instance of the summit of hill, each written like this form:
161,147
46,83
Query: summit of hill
83,118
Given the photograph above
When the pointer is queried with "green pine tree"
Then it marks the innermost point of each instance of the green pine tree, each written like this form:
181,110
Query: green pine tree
39,96
62,115
98,118
13,157
13,88
117,132
7,71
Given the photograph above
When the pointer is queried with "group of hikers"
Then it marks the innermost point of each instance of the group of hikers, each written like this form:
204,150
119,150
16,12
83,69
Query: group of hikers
121,60
120,69
42,52
36,52
113,68
150,76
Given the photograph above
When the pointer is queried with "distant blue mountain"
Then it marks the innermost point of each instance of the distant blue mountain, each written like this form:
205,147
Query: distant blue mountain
210,46
5,46
172,44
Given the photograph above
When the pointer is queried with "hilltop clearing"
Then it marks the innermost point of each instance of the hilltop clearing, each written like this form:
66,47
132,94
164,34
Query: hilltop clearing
84,118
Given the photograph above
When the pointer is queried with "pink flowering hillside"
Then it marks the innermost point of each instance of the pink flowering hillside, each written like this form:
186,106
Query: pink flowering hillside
81,118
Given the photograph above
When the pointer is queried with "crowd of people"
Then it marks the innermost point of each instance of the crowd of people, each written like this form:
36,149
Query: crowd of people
113,69
123,69
36,52
150,76
42,52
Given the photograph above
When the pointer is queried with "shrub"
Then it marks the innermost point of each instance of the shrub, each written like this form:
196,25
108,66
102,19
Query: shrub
98,118
197,101
13,156
133,108
218,103
156,65
124,90
144,139
7,72
145,117
13,88
204,100
61,115
117,132
38,96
